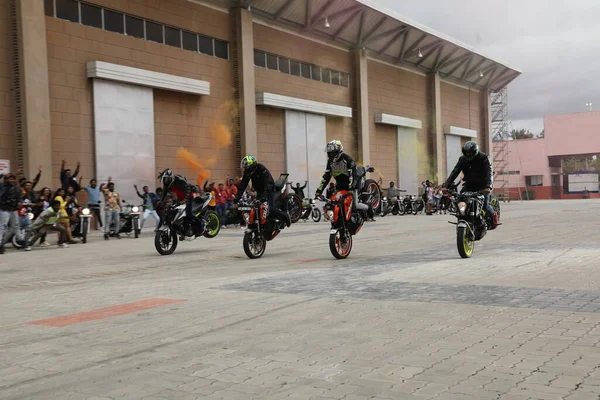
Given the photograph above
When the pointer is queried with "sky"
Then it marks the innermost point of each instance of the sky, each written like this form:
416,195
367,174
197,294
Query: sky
555,43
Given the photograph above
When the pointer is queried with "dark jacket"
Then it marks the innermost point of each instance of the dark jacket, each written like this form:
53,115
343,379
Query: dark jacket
344,172
180,189
299,191
67,181
262,181
10,197
477,172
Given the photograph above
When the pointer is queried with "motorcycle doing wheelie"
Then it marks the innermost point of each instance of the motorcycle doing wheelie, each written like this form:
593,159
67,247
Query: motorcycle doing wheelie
176,226
262,226
346,220
310,210
471,223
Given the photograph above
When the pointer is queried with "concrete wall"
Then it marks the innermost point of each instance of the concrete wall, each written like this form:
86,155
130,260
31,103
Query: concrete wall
181,120
571,134
270,125
402,93
7,122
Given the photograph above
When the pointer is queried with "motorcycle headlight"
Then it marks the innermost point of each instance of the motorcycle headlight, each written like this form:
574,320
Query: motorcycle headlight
330,214
86,211
135,209
312,201
30,215
462,207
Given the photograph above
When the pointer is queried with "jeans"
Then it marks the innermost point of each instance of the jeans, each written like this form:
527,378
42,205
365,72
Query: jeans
110,216
228,204
6,218
148,213
41,232
95,209
221,211
487,206
25,224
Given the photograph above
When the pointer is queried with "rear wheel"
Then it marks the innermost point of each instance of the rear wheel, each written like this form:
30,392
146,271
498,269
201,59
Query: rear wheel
165,242
255,244
464,242
316,214
213,224
340,244
371,195
293,205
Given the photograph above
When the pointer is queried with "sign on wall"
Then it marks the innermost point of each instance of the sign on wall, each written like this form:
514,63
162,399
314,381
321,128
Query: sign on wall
4,166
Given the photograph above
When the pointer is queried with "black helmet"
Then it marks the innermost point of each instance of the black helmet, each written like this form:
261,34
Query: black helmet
470,150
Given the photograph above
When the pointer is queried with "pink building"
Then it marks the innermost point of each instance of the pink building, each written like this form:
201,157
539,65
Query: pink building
558,166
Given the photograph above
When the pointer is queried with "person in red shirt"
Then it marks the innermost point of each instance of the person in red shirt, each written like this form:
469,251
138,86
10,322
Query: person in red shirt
220,199
231,190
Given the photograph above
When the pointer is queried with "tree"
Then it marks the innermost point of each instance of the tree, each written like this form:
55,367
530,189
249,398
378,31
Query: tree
518,134
541,134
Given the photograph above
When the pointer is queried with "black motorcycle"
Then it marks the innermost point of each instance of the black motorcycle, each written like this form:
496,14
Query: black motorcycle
129,221
176,226
262,226
410,205
471,226
310,210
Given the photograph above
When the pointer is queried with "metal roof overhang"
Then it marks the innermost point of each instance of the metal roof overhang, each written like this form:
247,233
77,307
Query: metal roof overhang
387,36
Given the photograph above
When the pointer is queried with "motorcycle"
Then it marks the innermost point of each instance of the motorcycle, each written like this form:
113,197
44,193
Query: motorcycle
346,221
395,205
82,228
129,221
262,227
18,235
311,210
410,207
471,225
175,225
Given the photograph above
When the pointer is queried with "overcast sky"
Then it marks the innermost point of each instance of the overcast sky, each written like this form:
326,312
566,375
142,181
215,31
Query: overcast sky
556,43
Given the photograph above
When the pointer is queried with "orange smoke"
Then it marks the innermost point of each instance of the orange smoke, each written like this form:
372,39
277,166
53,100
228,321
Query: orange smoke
193,163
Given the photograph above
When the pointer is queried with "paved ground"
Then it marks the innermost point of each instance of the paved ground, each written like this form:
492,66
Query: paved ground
403,318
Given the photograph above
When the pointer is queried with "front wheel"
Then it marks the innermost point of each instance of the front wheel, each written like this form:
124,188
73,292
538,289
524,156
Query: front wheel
255,244
213,224
17,244
415,208
316,215
452,208
165,242
340,244
84,230
464,242
401,209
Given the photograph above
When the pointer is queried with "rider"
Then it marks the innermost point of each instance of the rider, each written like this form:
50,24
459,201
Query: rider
343,168
477,171
263,184
179,187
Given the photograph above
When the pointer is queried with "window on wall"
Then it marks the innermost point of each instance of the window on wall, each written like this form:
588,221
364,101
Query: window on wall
286,66
154,32
134,27
534,180
49,8
172,36
80,11
67,9
114,21
91,15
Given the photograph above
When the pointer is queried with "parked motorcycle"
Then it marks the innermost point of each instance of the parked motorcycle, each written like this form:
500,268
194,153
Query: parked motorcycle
18,235
82,228
395,205
310,210
262,227
471,225
175,225
346,221
129,220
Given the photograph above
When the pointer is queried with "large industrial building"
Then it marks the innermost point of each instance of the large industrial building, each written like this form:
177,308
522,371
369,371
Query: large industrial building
121,85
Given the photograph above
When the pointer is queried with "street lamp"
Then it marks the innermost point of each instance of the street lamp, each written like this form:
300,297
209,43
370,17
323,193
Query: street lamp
589,106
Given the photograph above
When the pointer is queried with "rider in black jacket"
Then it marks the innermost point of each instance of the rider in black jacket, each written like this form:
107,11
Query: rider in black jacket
263,184
343,168
178,187
477,177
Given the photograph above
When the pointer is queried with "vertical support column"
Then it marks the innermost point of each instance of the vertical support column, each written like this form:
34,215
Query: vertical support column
436,126
362,105
246,80
486,122
35,93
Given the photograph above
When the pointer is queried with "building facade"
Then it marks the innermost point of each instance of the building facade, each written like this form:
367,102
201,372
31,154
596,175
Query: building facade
123,85
563,164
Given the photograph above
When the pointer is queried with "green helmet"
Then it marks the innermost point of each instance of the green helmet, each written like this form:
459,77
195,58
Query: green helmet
248,163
